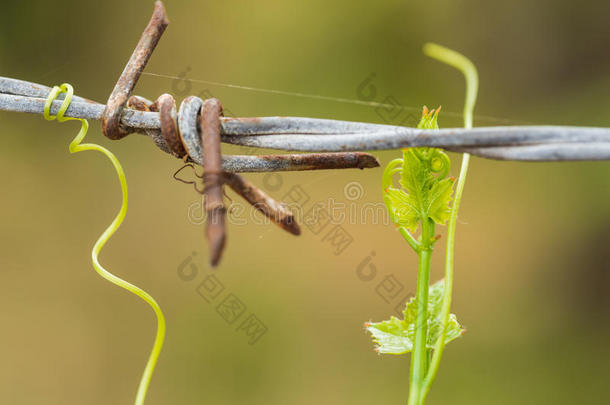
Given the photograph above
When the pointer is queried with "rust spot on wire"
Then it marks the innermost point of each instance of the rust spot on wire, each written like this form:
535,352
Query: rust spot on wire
139,103
166,106
323,161
246,120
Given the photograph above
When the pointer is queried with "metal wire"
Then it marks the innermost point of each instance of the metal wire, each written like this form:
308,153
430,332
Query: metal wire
525,143
25,98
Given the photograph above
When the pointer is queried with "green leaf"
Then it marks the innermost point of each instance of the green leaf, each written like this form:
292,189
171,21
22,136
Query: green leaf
429,119
425,191
397,336
425,195
404,210
439,201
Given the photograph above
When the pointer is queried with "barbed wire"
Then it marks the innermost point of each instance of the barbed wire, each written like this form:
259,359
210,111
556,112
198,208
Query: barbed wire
338,144
178,131
529,143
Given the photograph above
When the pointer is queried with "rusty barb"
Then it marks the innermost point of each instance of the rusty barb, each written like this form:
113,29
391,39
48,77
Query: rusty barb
111,119
196,129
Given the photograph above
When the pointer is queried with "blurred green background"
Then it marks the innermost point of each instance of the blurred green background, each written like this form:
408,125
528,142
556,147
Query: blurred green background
532,258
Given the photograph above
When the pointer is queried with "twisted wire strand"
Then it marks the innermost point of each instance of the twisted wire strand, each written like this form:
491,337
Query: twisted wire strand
529,143
77,146
179,135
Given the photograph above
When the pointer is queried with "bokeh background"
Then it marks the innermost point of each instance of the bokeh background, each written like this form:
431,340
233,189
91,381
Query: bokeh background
532,282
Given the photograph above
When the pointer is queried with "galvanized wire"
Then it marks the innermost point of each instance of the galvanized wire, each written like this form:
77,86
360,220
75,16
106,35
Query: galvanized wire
525,143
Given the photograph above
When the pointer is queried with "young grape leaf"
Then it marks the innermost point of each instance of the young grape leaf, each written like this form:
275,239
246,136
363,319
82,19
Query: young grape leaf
397,336
404,210
426,192
439,200
429,119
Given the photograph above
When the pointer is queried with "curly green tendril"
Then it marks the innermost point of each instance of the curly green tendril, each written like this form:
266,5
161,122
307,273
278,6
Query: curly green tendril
76,146
468,69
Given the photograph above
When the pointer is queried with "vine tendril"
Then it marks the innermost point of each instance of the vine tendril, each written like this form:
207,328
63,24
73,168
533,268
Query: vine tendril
468,69
77,146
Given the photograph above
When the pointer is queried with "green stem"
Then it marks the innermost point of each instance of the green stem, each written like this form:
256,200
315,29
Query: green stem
469,71
419,361
439,347
415,245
